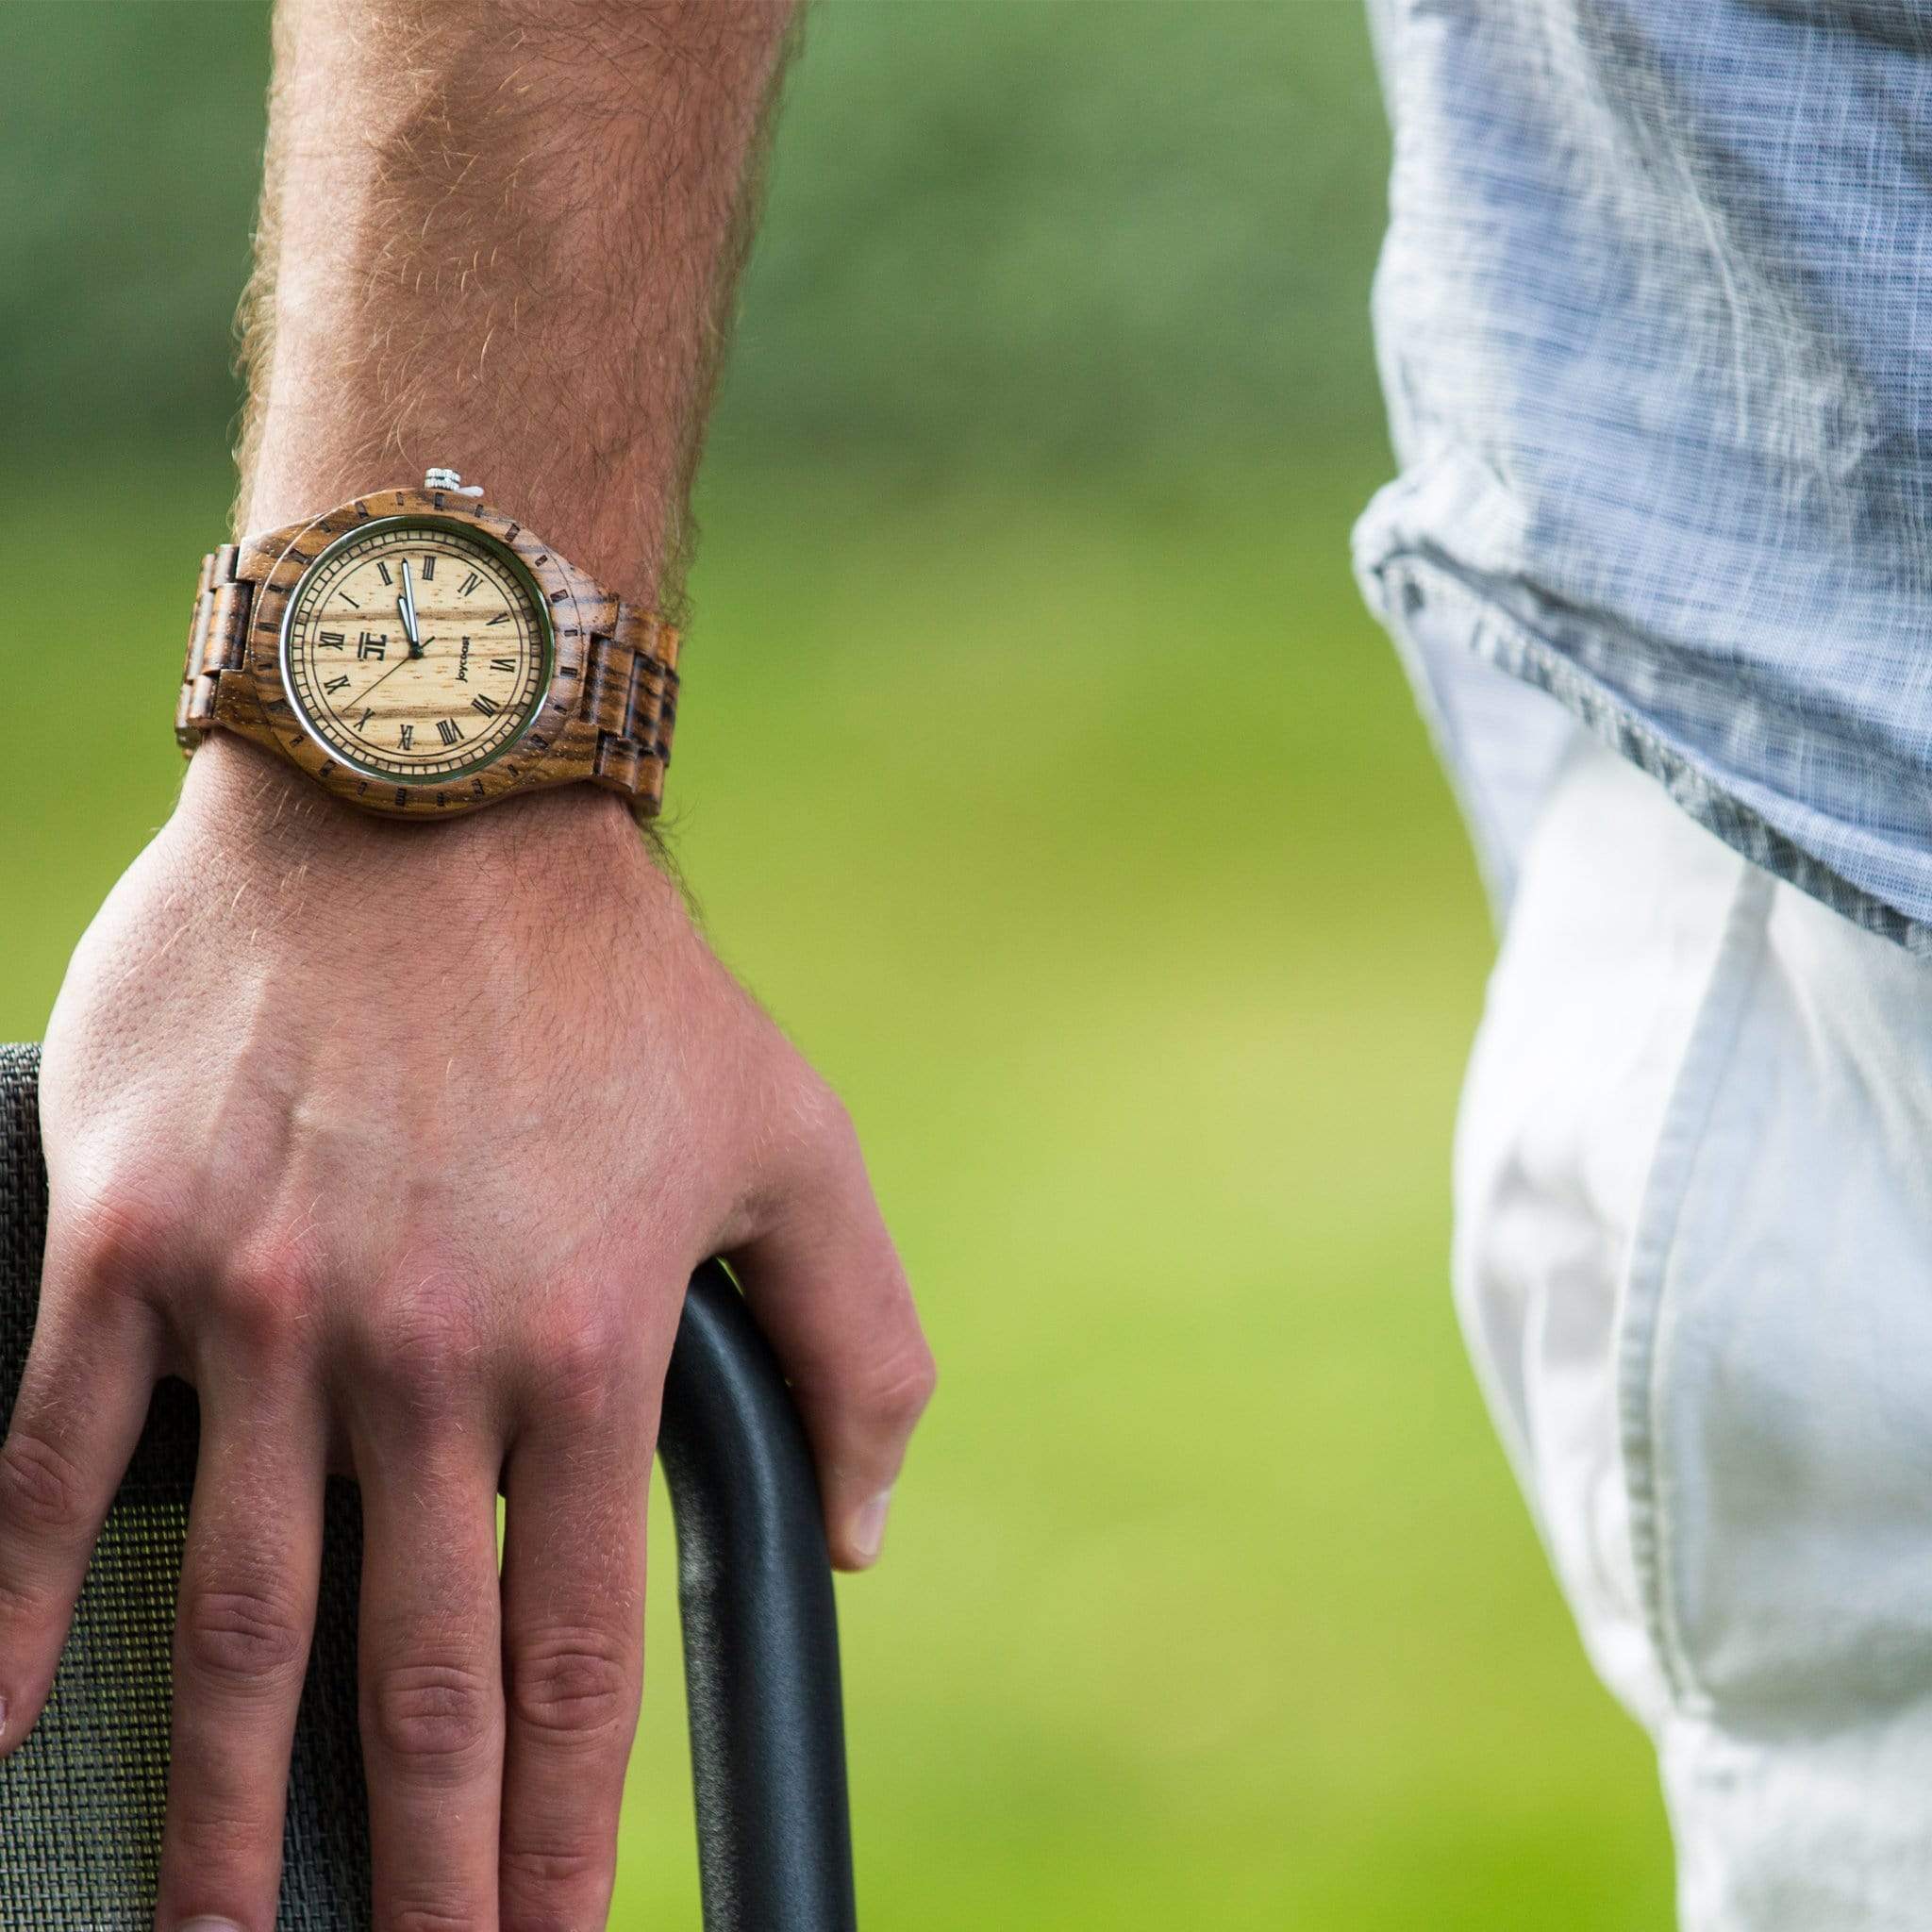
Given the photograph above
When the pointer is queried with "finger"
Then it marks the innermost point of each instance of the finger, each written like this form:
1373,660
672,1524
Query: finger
573,1652
82,1403
432,1681
826,1284
242,1634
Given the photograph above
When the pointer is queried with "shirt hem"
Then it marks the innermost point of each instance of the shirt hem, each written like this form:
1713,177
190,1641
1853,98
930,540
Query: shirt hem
1402,579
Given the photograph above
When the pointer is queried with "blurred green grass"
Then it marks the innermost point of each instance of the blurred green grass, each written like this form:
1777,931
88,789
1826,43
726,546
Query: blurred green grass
1042,771
1088,839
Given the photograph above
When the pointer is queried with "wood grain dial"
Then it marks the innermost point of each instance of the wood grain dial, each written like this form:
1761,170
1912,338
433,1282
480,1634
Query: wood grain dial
416,650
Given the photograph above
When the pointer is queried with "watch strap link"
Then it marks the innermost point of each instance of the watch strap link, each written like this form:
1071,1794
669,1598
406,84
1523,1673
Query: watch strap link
630,696
217,636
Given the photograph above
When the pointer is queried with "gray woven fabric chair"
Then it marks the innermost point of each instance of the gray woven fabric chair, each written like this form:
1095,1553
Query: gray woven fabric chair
81,1802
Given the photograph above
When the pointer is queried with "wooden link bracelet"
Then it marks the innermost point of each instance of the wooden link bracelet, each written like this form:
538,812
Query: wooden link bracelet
603,712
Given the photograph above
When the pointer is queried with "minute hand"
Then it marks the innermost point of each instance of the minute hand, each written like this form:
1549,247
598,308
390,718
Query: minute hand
405,608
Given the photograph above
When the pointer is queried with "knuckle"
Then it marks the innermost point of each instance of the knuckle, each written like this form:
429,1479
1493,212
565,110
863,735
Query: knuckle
446,1913
581,1366
240,1636
120,1235
805,1132
899,1390
539,1875
826,1120
432,1715
42,1491
572,1685
565,1864
419,1353
262,1306
25,1605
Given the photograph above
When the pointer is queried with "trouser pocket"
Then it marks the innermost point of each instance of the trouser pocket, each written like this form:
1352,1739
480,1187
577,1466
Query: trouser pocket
1600,1044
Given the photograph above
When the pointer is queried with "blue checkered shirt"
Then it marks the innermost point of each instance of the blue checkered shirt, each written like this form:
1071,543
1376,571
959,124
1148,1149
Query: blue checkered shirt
1655,317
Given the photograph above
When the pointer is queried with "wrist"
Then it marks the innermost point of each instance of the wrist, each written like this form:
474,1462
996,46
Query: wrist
264,810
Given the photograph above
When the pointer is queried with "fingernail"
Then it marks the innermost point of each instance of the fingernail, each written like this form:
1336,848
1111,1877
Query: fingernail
209,1925
869,1527
2,1720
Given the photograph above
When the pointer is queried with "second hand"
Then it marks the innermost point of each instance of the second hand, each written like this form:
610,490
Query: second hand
390,673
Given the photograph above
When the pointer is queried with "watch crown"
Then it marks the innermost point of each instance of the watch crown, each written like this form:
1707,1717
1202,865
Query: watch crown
448,480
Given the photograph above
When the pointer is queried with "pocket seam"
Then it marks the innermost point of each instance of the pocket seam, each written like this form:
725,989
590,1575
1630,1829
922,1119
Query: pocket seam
1687,1114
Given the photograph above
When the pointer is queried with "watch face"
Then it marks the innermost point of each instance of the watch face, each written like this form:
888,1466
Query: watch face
416,650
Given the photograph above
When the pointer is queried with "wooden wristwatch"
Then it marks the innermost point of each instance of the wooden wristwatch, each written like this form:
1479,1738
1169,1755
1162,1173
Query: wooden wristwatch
418,652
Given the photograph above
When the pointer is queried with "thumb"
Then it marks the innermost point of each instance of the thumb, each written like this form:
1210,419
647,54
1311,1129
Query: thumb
825,1282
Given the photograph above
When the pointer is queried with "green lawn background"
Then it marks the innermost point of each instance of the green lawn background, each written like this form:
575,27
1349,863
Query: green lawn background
1041,769
1088,841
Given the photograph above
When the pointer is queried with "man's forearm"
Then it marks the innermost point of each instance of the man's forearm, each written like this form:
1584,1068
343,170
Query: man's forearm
504,237
421,1199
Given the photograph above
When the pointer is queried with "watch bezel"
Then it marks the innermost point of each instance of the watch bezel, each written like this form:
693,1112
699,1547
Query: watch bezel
467,528
558,744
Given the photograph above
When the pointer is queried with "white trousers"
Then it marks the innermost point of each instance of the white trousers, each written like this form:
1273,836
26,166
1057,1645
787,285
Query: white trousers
1694,1259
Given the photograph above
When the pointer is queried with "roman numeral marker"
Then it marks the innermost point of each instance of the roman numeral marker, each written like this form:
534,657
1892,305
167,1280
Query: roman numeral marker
364,719
348,600
429,570
505,665
468,584
382,571
501,617
409,736
331,640
449,731
488,707
337,684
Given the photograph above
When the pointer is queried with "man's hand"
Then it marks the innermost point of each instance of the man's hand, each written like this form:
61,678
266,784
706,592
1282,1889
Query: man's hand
405,1174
